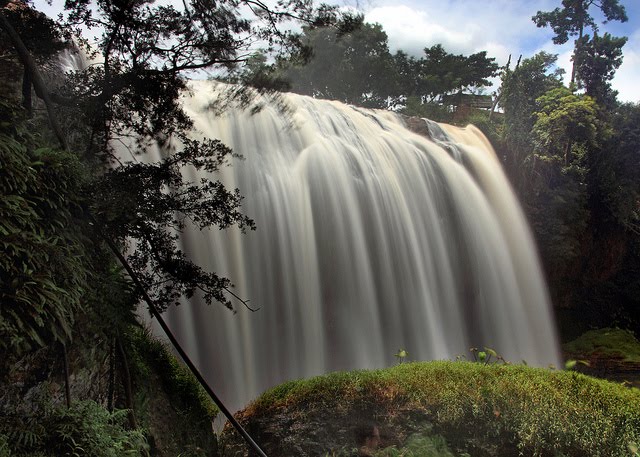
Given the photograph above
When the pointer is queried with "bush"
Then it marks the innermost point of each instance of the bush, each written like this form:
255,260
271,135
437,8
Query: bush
607,342
84,429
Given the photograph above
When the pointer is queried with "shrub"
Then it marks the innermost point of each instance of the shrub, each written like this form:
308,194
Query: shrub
84,429
609,342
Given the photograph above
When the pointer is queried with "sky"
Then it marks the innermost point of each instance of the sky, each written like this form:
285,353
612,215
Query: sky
500,27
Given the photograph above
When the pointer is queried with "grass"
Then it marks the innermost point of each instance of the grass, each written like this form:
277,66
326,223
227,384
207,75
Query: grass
607,342
480,409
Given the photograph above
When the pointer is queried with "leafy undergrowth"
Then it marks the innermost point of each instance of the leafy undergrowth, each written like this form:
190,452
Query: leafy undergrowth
607,342
482,410
84,429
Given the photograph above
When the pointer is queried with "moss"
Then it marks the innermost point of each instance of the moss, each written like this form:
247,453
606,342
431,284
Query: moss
607,342
419,445
480,409
171,402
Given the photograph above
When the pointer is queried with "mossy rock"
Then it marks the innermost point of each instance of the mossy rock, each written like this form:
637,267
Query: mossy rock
613,343
172,406
482,410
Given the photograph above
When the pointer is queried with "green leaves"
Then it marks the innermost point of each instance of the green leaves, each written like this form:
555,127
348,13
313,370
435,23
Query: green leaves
564,120
573,18
82,430
42,268
151,202
352,63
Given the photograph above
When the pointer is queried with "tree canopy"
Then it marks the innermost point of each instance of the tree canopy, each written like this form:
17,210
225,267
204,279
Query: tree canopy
351,62
574,18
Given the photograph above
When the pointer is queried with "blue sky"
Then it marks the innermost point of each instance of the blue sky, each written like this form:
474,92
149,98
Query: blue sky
501,27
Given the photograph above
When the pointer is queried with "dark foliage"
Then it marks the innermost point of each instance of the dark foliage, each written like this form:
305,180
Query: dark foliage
44,266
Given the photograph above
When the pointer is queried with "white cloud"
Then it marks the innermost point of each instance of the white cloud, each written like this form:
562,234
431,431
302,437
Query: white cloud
461,26
627,77
500,27
627,80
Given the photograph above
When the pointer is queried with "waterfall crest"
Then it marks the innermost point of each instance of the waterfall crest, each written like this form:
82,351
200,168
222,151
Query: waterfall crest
369,238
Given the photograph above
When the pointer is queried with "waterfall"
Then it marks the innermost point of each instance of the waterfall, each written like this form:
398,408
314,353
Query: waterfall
369,238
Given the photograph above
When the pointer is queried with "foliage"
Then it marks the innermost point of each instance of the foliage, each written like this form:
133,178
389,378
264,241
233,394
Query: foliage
572,20
149,355
608,342
616,167
574,17
349,62
44,266
563,121
440,72
151,202
505,410
521,87
415,106
596,60
84,429
157,374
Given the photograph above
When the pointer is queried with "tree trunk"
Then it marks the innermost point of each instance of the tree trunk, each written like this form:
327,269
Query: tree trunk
38,83
126,382
27,102
112,374
572,85
67,381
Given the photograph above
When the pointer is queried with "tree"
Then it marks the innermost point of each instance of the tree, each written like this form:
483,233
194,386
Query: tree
146,50
557,197
443,73
44,274
573,18
132,98
349,62
41,38
521,87
615,168
596,61
564,122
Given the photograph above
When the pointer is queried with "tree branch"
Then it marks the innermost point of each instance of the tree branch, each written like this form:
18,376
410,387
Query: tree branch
38,83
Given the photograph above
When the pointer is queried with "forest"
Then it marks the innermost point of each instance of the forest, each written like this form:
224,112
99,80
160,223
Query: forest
89,239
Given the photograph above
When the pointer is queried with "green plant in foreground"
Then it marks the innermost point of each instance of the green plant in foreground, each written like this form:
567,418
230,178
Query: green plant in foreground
401,355
84,429
485,356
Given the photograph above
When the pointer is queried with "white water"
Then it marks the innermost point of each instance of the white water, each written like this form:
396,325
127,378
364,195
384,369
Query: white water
370,238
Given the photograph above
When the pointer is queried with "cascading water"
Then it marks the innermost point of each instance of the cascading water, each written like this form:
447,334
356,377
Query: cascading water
370,238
